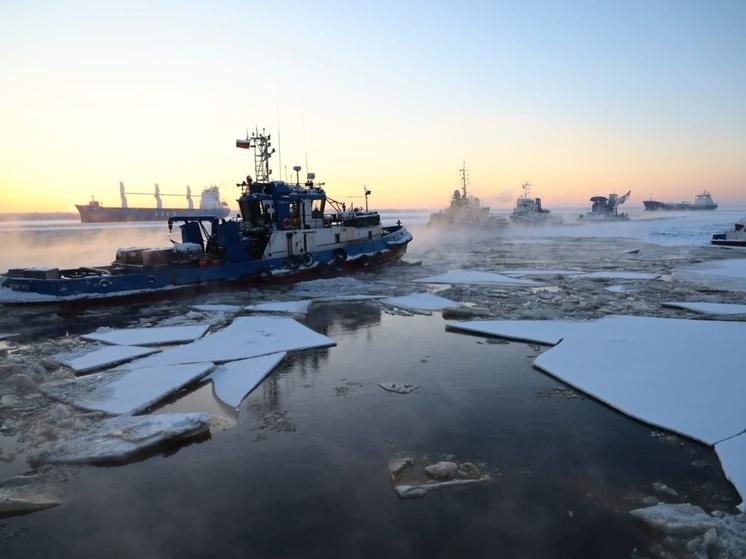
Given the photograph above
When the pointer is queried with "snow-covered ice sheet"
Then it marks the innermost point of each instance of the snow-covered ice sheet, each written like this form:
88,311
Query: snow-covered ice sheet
136,390
681,375
245,337
732,454
103,357
421,302
548,332
709,308
233,381
280,306
157,335
477,278
119,438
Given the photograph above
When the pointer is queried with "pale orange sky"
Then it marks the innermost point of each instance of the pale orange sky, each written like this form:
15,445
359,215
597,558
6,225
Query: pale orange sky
577,99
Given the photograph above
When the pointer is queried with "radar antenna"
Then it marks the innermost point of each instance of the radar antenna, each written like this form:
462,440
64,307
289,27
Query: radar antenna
263,150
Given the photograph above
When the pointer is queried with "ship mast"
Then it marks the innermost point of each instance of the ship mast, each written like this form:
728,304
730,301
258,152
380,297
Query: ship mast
463,178
261,145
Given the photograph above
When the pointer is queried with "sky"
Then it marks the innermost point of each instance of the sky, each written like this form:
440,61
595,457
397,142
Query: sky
576,98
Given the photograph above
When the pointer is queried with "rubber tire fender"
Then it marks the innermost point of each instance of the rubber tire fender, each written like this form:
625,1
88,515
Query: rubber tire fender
307,259
340,255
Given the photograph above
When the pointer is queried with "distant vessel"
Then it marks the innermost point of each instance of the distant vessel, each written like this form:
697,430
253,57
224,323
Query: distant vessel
606,209
528,211
466,211
701,202
735,237
210,205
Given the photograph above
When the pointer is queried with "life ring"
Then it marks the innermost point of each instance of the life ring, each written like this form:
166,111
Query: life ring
151,280
293,262
104,283
286,223
307,259
264,274
340,255
323,269
327,222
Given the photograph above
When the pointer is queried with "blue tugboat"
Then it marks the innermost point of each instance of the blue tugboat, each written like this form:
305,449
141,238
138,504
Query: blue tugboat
285,232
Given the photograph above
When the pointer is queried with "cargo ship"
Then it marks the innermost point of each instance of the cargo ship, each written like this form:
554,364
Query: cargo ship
701,202
210,205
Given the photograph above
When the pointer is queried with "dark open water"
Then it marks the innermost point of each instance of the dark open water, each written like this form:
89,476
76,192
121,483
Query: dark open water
301,470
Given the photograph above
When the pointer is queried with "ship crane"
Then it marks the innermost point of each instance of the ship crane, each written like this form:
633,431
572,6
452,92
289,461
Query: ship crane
157,194
619,201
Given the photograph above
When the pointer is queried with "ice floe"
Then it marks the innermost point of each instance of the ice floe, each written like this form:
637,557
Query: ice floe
677,374
725,274
121,438
103,357
732,268
398,387
540,331
128,391
412,479
477,278
233,381
156,335
245,337
709,308
617,288
519,273
421,302
732,454
299,307
681,375
692,533
616,274
347,298
25,494
218,308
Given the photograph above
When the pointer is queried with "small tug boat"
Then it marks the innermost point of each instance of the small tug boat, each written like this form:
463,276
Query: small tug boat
528,211
605,209
735,237
285,232
466,212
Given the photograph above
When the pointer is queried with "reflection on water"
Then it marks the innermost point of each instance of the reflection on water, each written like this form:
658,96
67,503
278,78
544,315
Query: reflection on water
334,318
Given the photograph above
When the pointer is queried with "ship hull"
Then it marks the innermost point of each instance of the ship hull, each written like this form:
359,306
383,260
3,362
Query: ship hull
733,238
100,214
52,285
654,206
